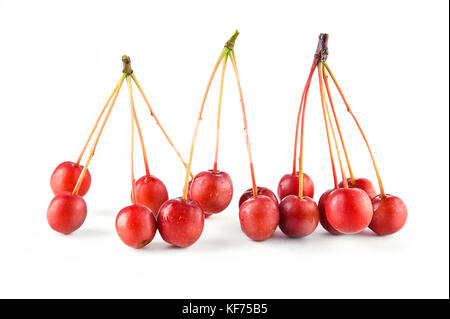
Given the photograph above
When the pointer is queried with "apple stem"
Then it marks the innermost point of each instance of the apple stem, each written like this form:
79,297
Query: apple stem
325,80
133,181
95,125
83,172
249,151
135,119
380,183
302,110
322,98
199,118
133,76
218,113
330,121
302,101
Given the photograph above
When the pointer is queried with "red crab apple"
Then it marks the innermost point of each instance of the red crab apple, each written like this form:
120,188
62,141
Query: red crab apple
66,212
259,217
348,210
65,177
299,217
288,185
213,191
151,192
261,191
389,215
189,190
180,223
323,217
362,183
136,225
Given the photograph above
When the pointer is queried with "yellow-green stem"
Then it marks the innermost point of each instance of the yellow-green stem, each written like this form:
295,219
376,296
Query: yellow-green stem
83,172
218,113
199,118
133,76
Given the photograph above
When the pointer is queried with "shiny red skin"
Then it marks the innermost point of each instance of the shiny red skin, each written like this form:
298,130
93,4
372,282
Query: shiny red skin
348,210
180,223
189,189
389,215
288,185
323,217
151,192
259,217
299,217
66,212
65,177
362,183
136,225
261,191
212,191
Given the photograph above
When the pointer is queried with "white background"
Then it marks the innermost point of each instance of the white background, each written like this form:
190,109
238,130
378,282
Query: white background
61,59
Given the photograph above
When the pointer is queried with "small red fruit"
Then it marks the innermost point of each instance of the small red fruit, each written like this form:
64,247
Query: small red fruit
213,191
259,217
362,183
65,177
323,217
261,191
389,215
180,222
288,185
66,212
151,192
136,225
299,217
348,210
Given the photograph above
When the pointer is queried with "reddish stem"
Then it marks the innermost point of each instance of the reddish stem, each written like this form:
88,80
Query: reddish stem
380,183
325,80
249,151
133,181
302,108
330,121
302,102
322,98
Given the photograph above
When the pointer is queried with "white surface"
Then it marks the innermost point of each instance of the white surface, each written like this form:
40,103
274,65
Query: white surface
60,60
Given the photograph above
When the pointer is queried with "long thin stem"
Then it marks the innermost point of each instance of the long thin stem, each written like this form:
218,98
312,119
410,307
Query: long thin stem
330,121
302,102
135,119
302,109
133,181
249,151
325,80
133,76
95,125
199,118
91,154
218,113
380,183
322,98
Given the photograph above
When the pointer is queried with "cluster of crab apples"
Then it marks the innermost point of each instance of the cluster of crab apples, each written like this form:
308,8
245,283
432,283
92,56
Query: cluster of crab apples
347,208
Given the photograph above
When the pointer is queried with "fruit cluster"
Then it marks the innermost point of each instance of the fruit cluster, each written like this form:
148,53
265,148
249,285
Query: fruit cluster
351,205
347,208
